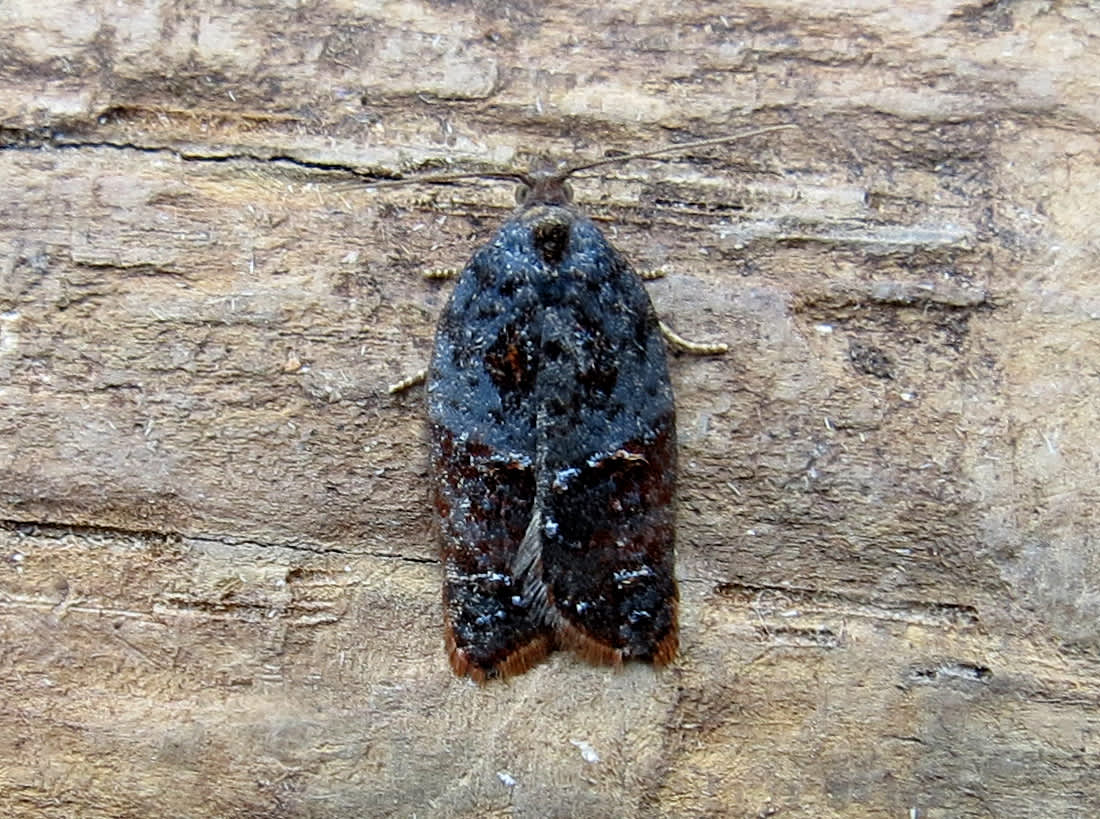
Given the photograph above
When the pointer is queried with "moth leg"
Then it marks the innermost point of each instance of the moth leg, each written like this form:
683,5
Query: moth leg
674,338
410,381
442,273
435,273
694,347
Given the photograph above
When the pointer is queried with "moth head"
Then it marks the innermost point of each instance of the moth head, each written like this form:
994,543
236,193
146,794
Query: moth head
543,188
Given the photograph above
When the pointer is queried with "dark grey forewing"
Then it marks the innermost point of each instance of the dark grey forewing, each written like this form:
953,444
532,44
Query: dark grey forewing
482,425
606,455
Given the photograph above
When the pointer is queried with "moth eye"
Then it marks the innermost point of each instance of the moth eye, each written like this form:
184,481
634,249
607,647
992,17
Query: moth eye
522,191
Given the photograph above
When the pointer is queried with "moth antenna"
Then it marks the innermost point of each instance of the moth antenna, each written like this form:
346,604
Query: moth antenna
448,178
529,180
431,179
669,149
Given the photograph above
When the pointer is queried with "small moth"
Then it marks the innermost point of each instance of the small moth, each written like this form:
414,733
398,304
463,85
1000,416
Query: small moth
553,446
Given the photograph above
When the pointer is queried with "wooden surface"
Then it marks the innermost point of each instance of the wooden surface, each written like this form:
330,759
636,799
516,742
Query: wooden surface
218,591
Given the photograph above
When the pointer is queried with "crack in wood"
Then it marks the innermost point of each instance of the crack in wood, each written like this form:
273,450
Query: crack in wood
53,530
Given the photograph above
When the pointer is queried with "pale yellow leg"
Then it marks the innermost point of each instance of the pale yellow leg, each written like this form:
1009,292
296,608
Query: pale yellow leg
411,381
674,338
442,273
418,378
694,347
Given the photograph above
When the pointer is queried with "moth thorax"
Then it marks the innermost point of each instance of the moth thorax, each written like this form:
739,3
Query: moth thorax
550,228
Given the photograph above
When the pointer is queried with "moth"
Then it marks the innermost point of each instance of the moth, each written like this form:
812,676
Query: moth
552,429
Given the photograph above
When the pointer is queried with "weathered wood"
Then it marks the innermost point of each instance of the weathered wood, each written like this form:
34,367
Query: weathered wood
218,590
